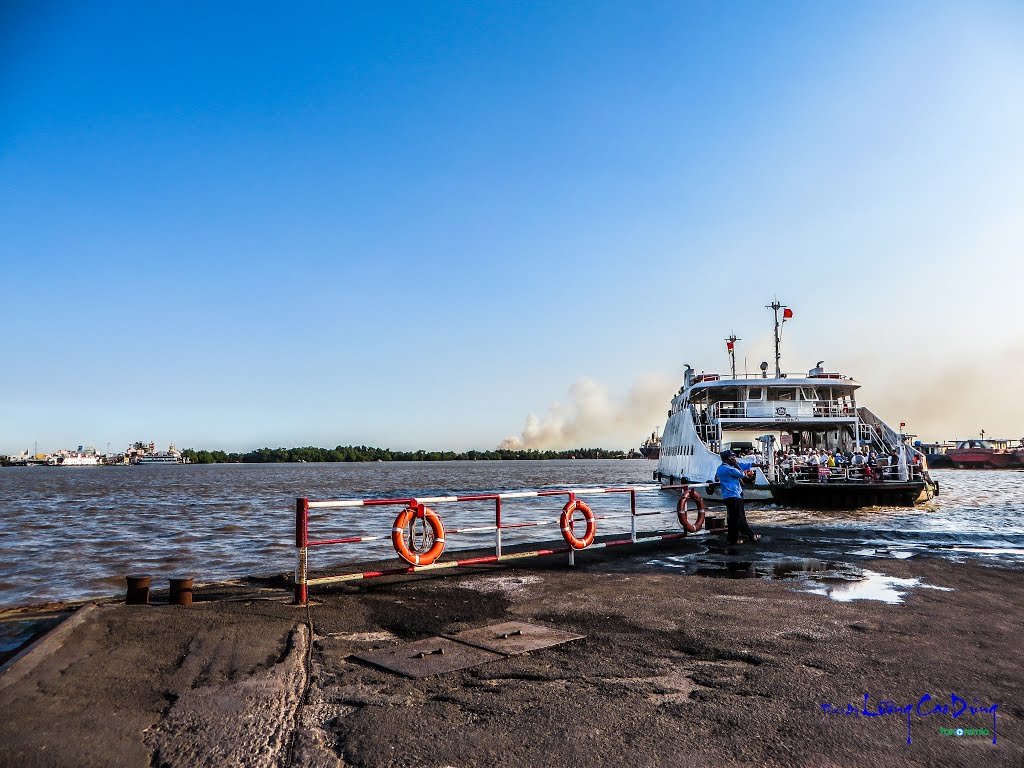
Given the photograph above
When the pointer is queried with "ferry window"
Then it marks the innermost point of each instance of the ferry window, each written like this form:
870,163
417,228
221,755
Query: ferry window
810,393
784,393
730,393
756,393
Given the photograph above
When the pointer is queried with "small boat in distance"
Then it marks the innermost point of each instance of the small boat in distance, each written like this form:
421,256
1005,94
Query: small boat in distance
774,423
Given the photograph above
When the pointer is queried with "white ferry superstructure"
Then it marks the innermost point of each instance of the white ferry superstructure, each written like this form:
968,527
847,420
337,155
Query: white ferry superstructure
757,415
151,456
83,457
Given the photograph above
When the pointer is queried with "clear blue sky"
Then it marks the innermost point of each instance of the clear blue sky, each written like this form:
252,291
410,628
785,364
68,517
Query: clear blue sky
411,225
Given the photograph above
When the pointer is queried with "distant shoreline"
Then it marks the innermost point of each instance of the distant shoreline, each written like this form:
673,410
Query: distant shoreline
362,453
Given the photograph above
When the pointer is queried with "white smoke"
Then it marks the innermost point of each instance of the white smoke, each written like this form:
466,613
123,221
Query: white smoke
593,418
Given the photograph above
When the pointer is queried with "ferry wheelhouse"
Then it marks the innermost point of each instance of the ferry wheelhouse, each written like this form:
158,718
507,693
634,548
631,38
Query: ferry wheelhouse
771,422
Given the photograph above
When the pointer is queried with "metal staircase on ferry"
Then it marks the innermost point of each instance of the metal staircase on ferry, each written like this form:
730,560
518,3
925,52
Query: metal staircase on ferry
879,435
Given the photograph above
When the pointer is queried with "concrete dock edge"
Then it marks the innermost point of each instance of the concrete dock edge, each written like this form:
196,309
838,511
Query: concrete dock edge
25,661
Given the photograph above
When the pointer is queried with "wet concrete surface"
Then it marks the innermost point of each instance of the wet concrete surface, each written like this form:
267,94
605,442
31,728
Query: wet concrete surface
675,668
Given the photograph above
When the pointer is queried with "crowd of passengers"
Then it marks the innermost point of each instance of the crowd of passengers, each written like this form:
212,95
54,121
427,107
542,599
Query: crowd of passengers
818,464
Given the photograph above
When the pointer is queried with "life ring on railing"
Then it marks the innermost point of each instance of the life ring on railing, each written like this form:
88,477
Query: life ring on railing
412,552
566,522
683,513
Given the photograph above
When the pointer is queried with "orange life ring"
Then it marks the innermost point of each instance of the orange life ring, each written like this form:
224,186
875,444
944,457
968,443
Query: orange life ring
566,522
406,520
683,513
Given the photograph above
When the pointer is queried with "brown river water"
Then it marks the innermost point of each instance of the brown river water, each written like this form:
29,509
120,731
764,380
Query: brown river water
74,532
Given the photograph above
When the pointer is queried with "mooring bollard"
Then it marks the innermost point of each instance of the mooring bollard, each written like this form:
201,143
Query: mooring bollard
138,590
716,525
181,590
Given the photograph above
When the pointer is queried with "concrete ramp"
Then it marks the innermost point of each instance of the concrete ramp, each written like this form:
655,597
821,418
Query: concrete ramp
248,722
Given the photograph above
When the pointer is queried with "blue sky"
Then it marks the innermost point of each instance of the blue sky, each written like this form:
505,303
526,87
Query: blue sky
413,225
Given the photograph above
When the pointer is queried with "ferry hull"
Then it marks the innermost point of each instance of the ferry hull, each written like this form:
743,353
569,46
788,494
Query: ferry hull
851,495
835,495
750,493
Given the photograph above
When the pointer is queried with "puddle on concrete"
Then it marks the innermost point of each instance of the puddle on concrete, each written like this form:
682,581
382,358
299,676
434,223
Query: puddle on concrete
843,582
868,585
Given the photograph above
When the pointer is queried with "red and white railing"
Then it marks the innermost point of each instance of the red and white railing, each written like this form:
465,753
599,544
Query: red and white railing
303,543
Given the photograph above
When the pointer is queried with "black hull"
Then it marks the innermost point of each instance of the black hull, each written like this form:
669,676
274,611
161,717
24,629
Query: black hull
650,453
850,495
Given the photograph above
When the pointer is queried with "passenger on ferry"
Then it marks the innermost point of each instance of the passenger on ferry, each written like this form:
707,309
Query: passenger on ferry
786,462
811,461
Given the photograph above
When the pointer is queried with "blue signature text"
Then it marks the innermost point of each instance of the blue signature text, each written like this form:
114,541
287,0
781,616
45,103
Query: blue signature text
923,707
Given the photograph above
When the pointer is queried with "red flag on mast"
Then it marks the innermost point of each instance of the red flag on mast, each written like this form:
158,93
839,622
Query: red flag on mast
787,314
728,345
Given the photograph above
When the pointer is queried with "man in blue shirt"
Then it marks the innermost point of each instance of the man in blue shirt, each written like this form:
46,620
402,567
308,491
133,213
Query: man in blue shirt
730,477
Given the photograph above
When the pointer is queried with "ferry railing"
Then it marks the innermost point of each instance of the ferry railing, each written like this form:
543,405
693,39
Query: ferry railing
781,410
882,473
303,542
824,378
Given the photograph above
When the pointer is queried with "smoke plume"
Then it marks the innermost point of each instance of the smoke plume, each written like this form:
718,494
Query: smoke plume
593,418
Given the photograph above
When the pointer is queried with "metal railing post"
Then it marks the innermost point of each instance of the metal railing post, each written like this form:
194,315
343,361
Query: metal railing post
301,545
497,529
632,515
572,552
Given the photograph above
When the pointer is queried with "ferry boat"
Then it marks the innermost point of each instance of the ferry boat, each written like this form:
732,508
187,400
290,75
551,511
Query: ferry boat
83,457
771,421
152,456
75,461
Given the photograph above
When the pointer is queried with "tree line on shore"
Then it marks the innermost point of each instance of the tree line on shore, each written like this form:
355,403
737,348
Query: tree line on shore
355,453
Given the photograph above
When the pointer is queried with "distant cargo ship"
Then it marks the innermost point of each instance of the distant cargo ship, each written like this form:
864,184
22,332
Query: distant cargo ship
651,447
985,454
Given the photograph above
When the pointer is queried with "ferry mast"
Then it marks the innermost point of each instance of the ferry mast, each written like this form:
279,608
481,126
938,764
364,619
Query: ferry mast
730,344
775,306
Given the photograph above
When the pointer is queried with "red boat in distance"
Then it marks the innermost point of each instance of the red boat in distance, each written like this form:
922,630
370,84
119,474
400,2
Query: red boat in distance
986,454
